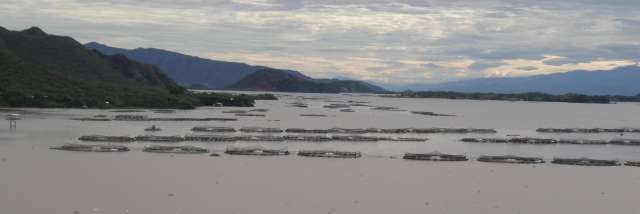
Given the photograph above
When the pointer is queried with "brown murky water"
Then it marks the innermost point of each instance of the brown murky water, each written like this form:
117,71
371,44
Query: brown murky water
34,179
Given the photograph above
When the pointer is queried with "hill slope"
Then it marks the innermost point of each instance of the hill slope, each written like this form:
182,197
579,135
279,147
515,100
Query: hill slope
619,81
41,70
269,79
184,69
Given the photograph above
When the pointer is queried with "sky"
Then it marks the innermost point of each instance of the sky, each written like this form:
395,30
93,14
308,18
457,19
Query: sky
391,41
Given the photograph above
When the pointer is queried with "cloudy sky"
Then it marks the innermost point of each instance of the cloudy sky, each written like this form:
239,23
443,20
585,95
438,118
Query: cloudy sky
392,41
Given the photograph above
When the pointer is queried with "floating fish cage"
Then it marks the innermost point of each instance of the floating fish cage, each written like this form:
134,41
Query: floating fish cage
179,119
585,162
260,138
165,139
249,115
235,112
313,131
583,141
630,142
511,159
176,149
256,151
307,138
405,139
510,140
313,115
583,130
354,138
92,148
209,138
212,129
261,130
92,119
102,138
347,131
434,156
632,163
428,113
329,154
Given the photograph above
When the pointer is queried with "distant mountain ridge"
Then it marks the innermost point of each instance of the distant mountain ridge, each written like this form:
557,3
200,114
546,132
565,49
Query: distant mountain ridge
269,79
623,81
189,71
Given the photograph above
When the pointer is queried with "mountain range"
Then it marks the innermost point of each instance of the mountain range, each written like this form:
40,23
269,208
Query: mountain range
623,81
195,72
39,69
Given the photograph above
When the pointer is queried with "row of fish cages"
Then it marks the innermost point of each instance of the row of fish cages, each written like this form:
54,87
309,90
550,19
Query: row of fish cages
526,140
249,138
588,130
433,156
346,130
169,119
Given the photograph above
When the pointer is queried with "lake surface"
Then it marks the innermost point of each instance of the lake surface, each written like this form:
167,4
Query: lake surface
34,179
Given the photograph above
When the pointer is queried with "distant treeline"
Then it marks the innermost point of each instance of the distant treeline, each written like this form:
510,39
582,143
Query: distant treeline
136,99
532,96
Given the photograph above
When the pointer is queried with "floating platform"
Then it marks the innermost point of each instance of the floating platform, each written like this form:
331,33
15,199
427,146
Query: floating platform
176,149
164,111
354,138
256,151
260,138
92,148
153,129
212,129
347,110
434,156
313,131
511,159
103,138
405,139
329,154
162,139
235,112
249,115
583,141
518,140
585,162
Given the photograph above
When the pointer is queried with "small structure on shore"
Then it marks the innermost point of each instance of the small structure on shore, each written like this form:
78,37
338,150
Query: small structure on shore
92,148
329,154
510,159
585,162
256,151
13,118
103,138
176,149
434,156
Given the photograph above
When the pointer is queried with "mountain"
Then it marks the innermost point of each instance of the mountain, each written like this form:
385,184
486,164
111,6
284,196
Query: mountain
269,79
188,71
623,81
42,70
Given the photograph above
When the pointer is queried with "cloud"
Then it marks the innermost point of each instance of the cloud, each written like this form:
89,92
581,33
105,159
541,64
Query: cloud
396,41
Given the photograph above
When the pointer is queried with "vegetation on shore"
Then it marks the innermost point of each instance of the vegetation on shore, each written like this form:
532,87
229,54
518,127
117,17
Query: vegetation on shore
532,96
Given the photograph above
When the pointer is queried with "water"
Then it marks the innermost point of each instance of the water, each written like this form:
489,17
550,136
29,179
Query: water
34,179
